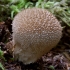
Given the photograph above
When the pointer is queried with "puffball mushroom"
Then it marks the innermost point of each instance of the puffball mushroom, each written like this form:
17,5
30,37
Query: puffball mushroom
35,32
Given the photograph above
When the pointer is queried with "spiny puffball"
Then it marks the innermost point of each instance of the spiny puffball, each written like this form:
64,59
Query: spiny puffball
35,32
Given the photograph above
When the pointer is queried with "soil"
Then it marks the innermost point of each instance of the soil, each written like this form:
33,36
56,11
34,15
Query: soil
56,59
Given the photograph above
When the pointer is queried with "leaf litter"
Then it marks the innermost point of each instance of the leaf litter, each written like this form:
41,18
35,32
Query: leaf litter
57,59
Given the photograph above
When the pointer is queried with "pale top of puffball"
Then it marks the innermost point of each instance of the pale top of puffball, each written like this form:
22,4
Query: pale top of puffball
35,32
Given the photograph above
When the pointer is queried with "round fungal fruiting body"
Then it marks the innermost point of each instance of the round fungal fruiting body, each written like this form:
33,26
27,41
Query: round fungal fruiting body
35,32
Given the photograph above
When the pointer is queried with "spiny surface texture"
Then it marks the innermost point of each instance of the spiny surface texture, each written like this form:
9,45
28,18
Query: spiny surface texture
35,32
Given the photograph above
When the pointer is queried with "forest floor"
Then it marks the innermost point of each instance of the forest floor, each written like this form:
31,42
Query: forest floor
56,59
